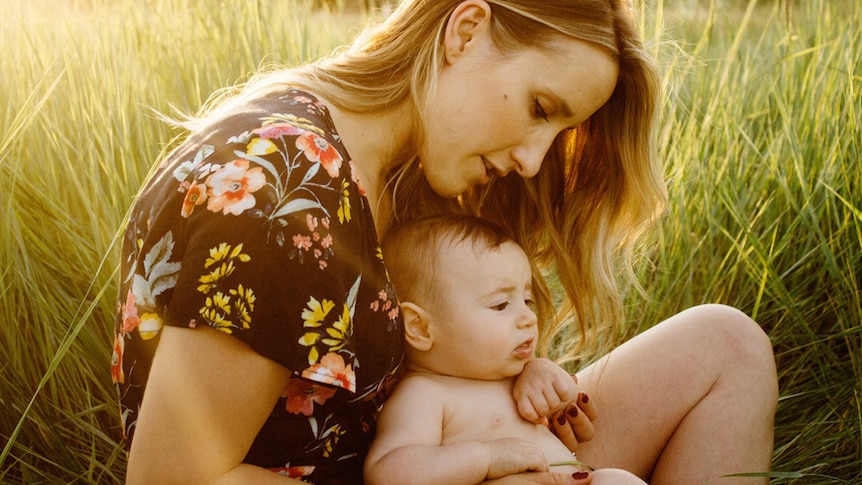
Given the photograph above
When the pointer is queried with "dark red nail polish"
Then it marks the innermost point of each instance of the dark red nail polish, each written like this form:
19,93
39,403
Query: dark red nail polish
580,475
561,419
584,398
573,411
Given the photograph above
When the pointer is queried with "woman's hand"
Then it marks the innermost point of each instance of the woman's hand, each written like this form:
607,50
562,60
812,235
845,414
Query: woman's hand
574,425
543,478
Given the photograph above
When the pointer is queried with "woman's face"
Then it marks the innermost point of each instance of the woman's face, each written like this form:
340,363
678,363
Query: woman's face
493,113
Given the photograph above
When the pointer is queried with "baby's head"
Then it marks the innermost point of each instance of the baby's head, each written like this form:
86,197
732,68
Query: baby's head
466,296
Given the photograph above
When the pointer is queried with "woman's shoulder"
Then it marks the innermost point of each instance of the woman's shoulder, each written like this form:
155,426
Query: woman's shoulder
275,114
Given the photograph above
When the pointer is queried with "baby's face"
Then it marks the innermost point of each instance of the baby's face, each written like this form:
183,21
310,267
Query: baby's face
485,327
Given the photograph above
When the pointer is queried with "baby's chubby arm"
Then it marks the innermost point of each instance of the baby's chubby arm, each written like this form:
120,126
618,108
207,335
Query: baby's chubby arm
542,389
408,447
546,394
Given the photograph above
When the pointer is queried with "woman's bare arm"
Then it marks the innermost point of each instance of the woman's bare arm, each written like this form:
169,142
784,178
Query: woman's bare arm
207,397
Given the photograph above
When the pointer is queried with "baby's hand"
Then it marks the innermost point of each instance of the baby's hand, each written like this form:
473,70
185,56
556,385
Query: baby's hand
542,389
508,456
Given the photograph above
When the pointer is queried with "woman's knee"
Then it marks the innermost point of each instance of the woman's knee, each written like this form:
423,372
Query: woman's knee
741,341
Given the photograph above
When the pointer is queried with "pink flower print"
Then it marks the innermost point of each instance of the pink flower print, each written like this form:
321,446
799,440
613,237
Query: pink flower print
325,222
334,370
303,99
311,222
231,188
130,313
301,396
196,195
276,130
326,242
317,149
302,242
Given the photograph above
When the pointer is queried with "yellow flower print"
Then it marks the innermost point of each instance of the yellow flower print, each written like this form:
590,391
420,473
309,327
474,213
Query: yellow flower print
331,437
344,203
260,146
230,309
334,336
315,313
150,326
244,304
325,437
216,311
223,255
339,333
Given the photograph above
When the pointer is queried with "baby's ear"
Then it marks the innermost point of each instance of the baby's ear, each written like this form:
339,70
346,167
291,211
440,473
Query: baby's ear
417,330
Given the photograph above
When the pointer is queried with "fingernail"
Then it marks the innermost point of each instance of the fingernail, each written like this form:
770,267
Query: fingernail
561,419
584,398
572,411
580,475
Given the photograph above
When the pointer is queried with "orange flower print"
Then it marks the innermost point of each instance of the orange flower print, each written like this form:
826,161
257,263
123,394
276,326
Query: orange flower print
355,177
301,396
196,195
130,313
317,149
334,370
294,471
117,374
231,188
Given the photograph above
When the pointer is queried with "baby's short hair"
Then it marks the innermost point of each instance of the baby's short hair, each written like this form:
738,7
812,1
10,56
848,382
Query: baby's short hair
411,250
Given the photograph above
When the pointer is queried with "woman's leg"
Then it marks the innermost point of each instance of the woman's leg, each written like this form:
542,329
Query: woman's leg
689,400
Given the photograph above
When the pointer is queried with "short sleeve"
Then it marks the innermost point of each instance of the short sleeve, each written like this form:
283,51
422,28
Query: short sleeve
273,253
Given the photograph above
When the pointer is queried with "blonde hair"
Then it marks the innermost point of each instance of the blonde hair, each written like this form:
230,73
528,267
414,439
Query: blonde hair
600,185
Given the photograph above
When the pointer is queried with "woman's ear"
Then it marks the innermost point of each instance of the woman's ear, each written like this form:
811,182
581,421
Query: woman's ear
470,19
417,329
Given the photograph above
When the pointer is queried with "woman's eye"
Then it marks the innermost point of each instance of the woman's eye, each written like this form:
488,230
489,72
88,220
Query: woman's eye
538,111
501,306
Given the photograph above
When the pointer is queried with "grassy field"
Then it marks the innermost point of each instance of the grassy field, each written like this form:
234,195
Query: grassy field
760,133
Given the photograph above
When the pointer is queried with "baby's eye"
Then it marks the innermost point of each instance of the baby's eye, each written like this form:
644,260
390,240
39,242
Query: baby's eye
500,307
538,111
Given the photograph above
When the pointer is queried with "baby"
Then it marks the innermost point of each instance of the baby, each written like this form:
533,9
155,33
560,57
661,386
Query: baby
466,298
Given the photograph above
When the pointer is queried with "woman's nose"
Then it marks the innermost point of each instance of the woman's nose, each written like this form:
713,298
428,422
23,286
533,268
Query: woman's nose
528,156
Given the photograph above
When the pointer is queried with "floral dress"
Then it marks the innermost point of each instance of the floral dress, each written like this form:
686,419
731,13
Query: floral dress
260,229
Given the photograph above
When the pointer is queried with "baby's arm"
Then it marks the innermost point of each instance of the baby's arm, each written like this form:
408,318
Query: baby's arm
408,449
543,389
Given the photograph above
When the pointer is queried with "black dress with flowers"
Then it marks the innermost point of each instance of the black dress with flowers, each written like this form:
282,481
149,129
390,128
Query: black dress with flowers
260,229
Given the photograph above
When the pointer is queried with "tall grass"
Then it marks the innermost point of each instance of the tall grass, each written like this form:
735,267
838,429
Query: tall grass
760,135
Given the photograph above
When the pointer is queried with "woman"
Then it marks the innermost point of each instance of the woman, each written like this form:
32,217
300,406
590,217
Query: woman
255,306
